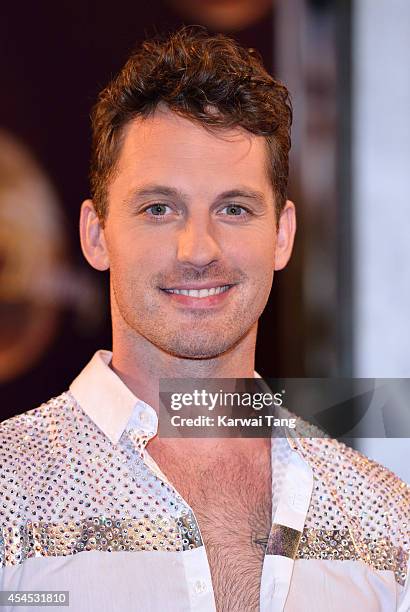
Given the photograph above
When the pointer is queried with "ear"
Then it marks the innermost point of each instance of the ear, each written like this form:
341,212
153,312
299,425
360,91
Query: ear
285,235
92,237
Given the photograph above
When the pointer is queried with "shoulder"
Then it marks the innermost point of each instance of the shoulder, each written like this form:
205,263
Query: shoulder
34,452
34,424
28,438
366,498
341,465
345,469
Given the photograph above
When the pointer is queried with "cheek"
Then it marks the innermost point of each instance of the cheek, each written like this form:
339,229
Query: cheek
256,258
256,253
133,253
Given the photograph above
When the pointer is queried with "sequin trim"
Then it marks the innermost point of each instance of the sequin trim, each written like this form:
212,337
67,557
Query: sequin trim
39,539
283,541
339,545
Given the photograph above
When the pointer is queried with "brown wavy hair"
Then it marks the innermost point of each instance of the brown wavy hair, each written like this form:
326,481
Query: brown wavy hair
211,80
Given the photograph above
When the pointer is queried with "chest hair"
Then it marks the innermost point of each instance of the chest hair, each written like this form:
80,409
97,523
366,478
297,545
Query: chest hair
232,501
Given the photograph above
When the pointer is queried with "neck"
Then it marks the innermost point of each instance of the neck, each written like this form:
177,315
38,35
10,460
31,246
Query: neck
141,365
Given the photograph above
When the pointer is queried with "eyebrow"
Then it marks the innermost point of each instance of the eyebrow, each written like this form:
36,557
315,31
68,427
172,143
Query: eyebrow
163,190
154,190
244,192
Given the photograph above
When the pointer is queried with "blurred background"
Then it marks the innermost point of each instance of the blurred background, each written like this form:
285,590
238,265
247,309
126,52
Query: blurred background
341,307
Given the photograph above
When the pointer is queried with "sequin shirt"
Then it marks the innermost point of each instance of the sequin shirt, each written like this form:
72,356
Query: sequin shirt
85,509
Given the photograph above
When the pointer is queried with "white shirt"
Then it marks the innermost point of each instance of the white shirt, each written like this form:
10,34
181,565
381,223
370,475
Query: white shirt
85,509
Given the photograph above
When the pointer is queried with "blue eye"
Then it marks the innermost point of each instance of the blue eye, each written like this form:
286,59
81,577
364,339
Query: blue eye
234,210
157,210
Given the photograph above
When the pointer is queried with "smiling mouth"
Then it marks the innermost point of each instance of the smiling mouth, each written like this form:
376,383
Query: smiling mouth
199,293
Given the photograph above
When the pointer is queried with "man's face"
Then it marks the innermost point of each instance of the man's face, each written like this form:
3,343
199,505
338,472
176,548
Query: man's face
190,235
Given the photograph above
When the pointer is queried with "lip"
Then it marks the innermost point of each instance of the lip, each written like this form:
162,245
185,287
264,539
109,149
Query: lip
208,285
194,303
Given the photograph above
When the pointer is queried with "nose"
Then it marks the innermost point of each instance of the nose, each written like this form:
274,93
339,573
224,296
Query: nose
197,245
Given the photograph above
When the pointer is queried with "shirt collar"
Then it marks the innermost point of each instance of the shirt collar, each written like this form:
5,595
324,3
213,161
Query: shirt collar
109,402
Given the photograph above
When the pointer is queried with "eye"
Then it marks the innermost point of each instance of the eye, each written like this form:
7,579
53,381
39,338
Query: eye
157,209
234,210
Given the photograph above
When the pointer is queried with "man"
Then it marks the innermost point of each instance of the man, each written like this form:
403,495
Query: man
189,214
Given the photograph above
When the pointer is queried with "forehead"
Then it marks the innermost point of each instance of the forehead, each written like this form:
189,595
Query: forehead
168,147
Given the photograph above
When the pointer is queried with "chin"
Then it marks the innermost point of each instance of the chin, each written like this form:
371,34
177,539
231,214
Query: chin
208,349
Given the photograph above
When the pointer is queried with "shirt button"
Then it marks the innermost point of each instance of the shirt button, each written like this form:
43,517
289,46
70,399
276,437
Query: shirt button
144,417
200,587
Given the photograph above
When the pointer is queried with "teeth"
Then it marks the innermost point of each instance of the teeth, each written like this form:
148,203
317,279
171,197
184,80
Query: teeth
199,293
